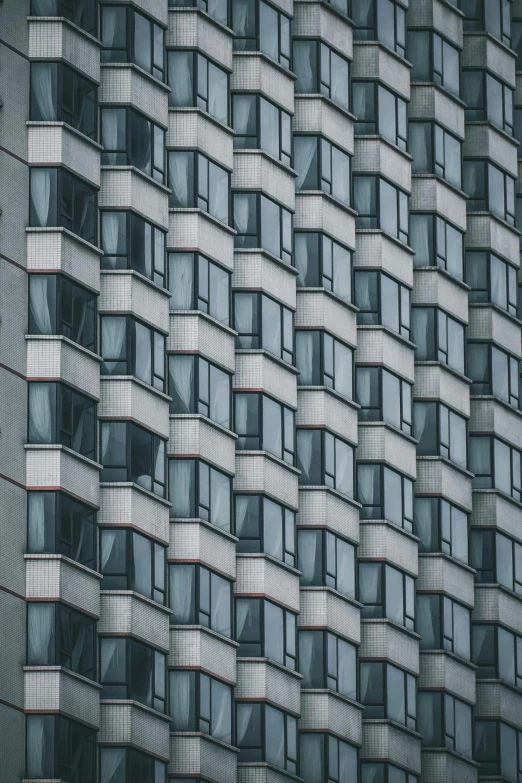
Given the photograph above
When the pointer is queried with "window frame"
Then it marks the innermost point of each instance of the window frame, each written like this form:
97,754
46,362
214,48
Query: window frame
128,684
375,221
158,374
288,451
407,523
62,615
405,416
62,757
516,489
328,479
482,113
439,225
78,80
446,629
127,466
487,674
324,335
323,83
471,23
201,60
291,764
437,162
126,576
441,447
284,354
481,574
436,75
403,310
330,571
203,4
129,755
513,374
445,543
199,612
66,9
157,235
64,420
285,254
200,163
285,156
326,247
407,777
447,700
128,52
64,176
324,154
64,505
289,635
379,609
482,203
372,33
410,710
61,325
327,638
197,402
202,287
495,766
399,140
288,518
127,156
437,350
195,500
484,296
283,60
198,719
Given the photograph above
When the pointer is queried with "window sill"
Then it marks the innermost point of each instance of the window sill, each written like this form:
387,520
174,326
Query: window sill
206,316
332,591
493,216
336,695
413,733
388,331
263,56
434,268
387,49
328,196
459,756
443,366
450,559
332,490
458,100
69,561
269,662
328,390
272,457
437,177
206,215
164,291
393,527
66,672
433,457
137,705
74,131
491,125
396,241
199,416
497,309
59,447
500,493
378,137
137,488
138,172
203,629
327,292
69,235
210,117
142,384
502,588
139,597
393,624
209,737
499,401
213,528
67,341
149,76
270,356
205,14
386,425
281,773
485,34
269,257
90,37
457,658
271,559
266,156
336,106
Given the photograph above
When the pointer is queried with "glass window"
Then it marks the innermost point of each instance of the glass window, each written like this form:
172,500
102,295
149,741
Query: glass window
440,66
60,414
487,98
328,661
196,181
58,198
382,300
324,459
379,110
324,757
498,749
261,322
57,747
325,559
322,166
262,525
130,561
261,27
445,721
129,36
60,636
195,283
218,9
129,347
200,703
498,653
387,592
443,624
195,80
496,465
262,223
58,524
320,70
266,734
260,124
81,12
440,432
132,453
438,337
380,205
127,765
497,559
493,371
59,93
198,386
435,151
436,243
323,263
266,630
490,16
57,305
380,20
489,189
491,280
324,361
263,424
129,242
385,494
132,670
383,396
130,138
200,597
388,692
199,491
441,527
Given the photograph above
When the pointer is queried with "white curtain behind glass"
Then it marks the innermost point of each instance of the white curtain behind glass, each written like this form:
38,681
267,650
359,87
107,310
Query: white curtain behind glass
112,765
419,238
311,757
180,78
41,194
181,281
40,631
40,418
181,473
305,150
113,337
37,521
182,380
182,593
39,304
304,450
181,707
43,90
179,177
307,554
304,357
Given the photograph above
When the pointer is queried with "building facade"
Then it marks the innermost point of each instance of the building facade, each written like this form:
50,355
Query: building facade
279,539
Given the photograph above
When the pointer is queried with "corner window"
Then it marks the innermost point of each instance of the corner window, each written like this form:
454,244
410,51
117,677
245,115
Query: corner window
325,460
132,670
266,630
497,559
436,243
383,396
443,624
387,592
199,491
58,524
385,494
491,280
261,322
498,749
489,189
61,199
324,757
490,16
321,165
262,223
61,94
493,371
266,734
57,305
129,242
200,597
60,414
195,283
127,765
388,692
80,12
440,432
218,9
380,20
321,71
262,525
325,559
130,37
57,747
263,424
441,527
322,360
260,27
496,465
438,337
433,59
435,151
129,347
323,263
194,80
260,124
129,138
385,773
198,182
488,99
445,721
380,205
382,300
132,453
130,561
200,703
328,661
198,386
60,636
379,110
498,653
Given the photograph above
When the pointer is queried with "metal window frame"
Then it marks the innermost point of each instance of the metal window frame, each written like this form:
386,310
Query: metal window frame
286,449
258,336
492,477
373,32
63,428
263,631
131,426
158,268
198,299
376,218
76,182
282,60
323,277
128,52
407,524
513,394
127,683
398,140
409,621
66,9
78,78
199,160
410,718
326,636
129,755
482,112
323,534
323,334
285,158
198,567
60,609
258,236
404,328
325,150
126,576
289,556
128,151
197,399
61,499
130,351
470,23
61,324
484,295
406,426
481,204
262,747
195,491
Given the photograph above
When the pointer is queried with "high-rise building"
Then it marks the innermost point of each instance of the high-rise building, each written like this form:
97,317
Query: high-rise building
260,417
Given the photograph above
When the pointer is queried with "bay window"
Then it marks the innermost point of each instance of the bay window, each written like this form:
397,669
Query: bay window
440,432
199,491
58,524
383,396
443,624
386,591
266,630
131,561
433,59
261,27
380,20
436,243
445,722
498,749
441,527
322,360
195,283
132,453
267,734
262,223
487,98
385,494
321,165
378,110
380,204
263,424
325,757
60,636
198,182
493,371
218,9
325,460
57,305
497,652
128,765
435,151
129,347
326,560
60,414
199,596
60,748
497,559
388,692
262,525
328,661
496,465
200,703
128,36
491,280
129,138
194,80
198,386
262,322
129,242
260,124
323,263
490,16
489,189
438,337
58,198
82,13
385,773
321,70
61,94
132,670
382,300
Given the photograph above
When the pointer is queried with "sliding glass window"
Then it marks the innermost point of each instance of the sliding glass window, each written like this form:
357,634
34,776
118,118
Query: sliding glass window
196,181
385,773
131,561
57,305
438,337
60,636
129,138
262,322
129,242
61,525
382,300
379,110
325,460
320,70
200,703
488,99
194,80
133,671
441,527
383,396
265,733
83,13
489,189
60,414
433,59
127,765
493,371
129,347
380,204
262,223
385,494
321,165
323,263
199,491
260,124
436,243
58,198
261,27
443,624
326,560
386,591
388,692
61,94
380,20
440,432
195,283
132,453
198,386
496,465
490,16
491,280
435,151
199,596
322,360
327,661
497,559
445,721
266,630
498,749
497,652
59,748
218,9
128,36
262,525
264,424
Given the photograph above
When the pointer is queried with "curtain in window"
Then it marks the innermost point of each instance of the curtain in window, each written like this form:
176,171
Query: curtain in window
368,477
244,311
110,656
362,13
218,193
244,113
220,504
142,564
112,765
304,66
143,365
41,194
305,357
473,177
80,438
182,593
37,754
364,196
243,618
307,555
40,632
113,340
480,456
307,664
243,13
220,398
181,376
243,202
420,238
363,97
180,165
301,258
472,89
111,32
369,584
221,711
182,709
217,93
422,332
247,721
305,153
40,414
420,147
36,533
220,608
43,83
107,545
312,758
343,468
45,7
113,133
181,489
39,303
305,453
180,78
181,268
363,378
